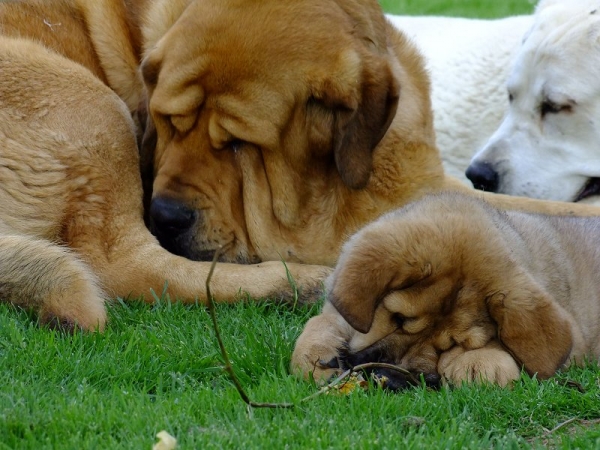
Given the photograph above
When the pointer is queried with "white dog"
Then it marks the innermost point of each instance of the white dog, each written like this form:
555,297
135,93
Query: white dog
548,145
469,62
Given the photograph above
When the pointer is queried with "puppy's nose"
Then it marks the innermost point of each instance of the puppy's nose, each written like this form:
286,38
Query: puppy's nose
483,177
171,216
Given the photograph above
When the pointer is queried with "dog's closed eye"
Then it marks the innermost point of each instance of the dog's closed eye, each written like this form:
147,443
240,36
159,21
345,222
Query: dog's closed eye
399,320
409,325
550,107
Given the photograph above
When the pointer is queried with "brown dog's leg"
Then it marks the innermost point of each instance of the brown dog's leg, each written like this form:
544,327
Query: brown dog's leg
49,280
140,264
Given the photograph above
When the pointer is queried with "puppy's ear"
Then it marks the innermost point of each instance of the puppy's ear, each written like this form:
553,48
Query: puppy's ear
147,138
533,327
361,119
365,274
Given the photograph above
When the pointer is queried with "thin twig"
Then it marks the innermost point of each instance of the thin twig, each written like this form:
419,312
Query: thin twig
387,366
228,366
561,425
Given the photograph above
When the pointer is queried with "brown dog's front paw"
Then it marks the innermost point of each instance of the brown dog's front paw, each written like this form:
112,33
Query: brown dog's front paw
291,282
491,364
307,282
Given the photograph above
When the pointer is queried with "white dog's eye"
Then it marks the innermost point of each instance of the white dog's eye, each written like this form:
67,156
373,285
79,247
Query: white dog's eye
549,107
510,97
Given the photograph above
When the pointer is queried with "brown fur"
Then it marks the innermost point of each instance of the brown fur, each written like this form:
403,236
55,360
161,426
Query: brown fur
102,35
71,228
490,291
271,125
280,127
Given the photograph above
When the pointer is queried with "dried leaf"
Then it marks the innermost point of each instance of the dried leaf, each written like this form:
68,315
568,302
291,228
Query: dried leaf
165,441
353,382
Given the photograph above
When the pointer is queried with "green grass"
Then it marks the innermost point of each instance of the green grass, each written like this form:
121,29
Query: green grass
158,367
464,8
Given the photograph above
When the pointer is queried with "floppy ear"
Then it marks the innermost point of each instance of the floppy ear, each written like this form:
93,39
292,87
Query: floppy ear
361,120
147,138
365,274
533,327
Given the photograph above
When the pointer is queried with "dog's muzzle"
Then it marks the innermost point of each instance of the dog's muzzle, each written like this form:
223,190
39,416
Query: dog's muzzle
172,223
483,176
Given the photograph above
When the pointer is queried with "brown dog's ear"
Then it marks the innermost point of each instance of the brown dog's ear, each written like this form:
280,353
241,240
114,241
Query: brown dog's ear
147,138
365,274
533,327
361,120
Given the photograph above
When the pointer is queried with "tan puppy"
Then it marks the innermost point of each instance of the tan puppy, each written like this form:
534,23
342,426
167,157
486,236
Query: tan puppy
451,285
71,226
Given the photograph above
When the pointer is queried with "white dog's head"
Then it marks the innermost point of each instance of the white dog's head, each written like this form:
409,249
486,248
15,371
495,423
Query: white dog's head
548,145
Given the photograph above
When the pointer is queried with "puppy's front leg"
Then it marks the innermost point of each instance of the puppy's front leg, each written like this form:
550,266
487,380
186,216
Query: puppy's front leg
318,347
491,363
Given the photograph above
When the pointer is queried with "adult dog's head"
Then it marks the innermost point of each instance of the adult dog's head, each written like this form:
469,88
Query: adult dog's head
441,274
267,116
548,145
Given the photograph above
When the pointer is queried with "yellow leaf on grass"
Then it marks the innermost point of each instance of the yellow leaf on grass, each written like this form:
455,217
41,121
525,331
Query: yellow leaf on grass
165,441
354,382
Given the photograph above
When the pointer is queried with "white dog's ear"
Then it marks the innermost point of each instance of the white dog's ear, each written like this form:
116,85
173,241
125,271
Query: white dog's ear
368,271
363,112
533,327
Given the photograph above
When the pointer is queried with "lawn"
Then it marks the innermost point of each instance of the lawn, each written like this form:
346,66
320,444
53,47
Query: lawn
459,8
158,368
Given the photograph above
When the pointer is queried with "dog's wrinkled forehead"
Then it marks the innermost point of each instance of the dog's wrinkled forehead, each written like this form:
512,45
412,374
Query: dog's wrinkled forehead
242,37
247,49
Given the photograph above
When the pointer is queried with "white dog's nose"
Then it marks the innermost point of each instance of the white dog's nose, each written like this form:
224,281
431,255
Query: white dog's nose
483,176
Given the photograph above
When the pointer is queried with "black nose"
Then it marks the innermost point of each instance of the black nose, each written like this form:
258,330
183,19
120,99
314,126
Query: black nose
483,177
171,216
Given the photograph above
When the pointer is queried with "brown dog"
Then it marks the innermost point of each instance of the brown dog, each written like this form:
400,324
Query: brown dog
280,127
284,125
69,178
451,285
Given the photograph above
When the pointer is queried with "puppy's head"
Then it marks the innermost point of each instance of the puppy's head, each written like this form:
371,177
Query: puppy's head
440,274
264,112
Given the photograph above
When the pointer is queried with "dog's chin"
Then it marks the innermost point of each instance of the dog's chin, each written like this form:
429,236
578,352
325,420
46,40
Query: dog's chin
589,189
184,246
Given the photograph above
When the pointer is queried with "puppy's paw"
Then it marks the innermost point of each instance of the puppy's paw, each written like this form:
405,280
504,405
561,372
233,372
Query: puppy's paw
317,351
313,365
490,364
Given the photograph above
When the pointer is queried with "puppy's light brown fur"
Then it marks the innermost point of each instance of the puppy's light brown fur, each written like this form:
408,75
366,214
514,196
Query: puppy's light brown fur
71,226
488,290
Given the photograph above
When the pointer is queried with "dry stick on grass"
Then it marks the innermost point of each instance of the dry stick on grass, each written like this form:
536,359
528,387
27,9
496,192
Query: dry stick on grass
229,367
